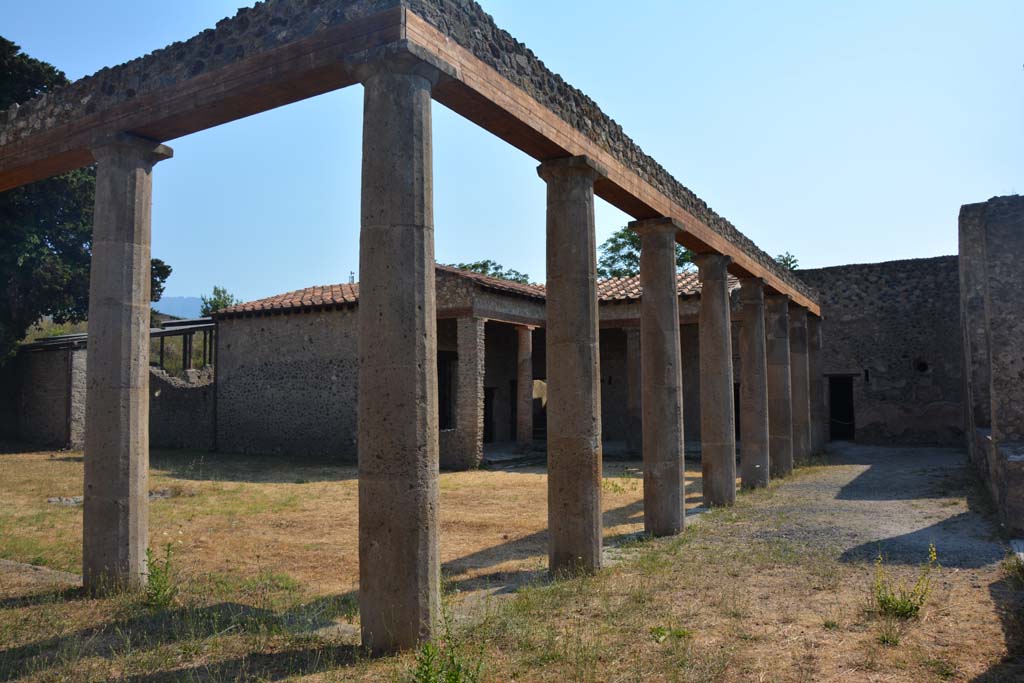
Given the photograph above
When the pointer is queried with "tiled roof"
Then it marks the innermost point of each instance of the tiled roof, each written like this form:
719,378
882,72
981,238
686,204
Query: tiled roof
340,296
309,299
628,288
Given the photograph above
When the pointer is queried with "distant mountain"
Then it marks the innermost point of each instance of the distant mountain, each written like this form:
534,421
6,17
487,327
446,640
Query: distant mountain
179,306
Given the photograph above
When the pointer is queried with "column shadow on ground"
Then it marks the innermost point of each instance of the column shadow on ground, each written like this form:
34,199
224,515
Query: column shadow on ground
149,630
524,548
1008,598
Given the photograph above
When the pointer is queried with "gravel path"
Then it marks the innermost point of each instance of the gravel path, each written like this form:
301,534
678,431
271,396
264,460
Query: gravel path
896,501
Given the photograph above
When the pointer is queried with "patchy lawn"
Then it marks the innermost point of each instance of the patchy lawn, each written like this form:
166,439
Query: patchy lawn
779,588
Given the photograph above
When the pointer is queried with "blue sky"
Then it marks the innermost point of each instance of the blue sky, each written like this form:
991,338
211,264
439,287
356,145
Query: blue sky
842,132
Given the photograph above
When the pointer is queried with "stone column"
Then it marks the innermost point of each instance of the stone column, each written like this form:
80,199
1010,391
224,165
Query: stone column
662,377
399,569
634,402
780,407
976,363
574,391
524,389
116,507
800,385
717,417
469,396
754,459
816,367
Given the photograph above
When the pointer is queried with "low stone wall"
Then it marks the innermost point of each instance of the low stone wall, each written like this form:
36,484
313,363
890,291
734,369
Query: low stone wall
181,410
43,398
45,380
893,328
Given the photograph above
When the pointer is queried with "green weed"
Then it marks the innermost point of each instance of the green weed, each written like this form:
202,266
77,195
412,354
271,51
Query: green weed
161,586
896,600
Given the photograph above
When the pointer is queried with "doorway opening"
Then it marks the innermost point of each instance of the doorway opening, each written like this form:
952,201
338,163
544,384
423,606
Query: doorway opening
840,418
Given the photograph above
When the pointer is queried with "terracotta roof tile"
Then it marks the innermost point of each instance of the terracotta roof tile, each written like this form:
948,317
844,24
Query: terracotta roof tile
339,296
311,298
629,289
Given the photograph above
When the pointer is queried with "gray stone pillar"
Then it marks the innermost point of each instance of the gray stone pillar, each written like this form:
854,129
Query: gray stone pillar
754,460
799,374
116,508
469,396
816,368
977,379
1004,317
634,392
661,362
780,407
399,569
524,389
717,416
574,391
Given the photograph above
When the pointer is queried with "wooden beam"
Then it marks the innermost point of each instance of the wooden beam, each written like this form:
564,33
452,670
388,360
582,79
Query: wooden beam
482,95
292,72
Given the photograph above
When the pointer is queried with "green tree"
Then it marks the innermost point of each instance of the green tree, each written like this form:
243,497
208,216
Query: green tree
620,255
159,271
493,269
221,298
787,261
45,227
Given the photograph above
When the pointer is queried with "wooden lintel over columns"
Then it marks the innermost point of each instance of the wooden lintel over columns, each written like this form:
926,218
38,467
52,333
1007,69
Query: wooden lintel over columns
330,59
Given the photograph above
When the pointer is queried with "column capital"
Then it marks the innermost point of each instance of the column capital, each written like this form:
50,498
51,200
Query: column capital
657,226
797,308
777,299
712,265
126,145
752,290
578,166
405,59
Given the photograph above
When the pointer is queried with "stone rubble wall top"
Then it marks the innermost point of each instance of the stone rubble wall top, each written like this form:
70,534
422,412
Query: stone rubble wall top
274,23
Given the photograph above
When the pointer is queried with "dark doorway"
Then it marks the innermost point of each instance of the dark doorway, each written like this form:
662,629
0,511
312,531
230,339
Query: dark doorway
840,397
489,414
736,408
446,361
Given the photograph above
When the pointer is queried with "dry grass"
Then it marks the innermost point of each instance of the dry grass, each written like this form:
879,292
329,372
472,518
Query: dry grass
265,556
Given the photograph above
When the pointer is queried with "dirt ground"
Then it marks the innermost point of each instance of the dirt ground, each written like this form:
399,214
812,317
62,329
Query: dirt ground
778,588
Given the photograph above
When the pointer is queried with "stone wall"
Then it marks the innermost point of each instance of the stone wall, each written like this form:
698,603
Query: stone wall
48,407
181,410
893,328
992,327
275,23
44,399
288,384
